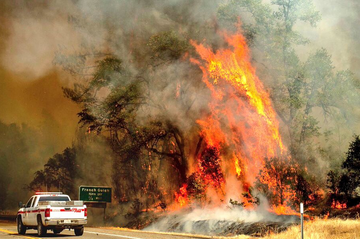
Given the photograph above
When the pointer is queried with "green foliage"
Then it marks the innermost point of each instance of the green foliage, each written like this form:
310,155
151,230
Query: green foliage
231,12
343,187
111,101
352,161
293,11
17,153
167,46
107,72
350,180
333,179
59,173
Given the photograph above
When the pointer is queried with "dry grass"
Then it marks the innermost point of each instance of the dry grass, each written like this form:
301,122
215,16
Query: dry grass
323,229
317,229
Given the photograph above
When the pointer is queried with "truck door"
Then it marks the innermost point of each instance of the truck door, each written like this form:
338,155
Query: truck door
27,211
32,219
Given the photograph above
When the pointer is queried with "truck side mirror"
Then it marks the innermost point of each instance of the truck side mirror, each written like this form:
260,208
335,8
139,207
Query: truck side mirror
21,205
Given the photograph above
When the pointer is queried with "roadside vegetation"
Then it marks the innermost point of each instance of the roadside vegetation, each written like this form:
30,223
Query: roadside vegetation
322,229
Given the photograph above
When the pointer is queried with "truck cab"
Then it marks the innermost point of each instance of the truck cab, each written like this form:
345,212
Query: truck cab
52,211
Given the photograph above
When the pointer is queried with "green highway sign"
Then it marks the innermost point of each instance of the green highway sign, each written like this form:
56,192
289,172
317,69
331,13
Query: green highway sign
95,194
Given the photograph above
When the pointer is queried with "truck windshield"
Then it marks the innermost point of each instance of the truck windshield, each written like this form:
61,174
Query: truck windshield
53,198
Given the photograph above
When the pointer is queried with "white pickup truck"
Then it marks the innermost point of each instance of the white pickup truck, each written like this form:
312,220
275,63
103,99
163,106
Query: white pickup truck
53,211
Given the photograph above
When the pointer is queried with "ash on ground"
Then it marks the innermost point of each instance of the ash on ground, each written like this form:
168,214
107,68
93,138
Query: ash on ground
224,222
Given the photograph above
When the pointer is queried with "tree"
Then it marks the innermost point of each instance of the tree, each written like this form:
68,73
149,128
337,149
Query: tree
274,35
350,180
276,181
352,161
140,94
344,185
59,173
135,140
333,183
301,89
16,158
284,183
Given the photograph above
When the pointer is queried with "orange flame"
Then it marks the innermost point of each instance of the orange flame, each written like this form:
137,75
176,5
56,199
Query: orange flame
338,205
241,129
326,216
242,118
182,196
237,166
283,210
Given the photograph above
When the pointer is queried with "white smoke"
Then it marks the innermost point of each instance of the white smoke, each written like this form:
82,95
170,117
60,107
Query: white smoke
220,221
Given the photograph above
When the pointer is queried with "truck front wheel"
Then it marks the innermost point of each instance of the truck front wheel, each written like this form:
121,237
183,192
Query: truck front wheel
20,226
79,231
41,230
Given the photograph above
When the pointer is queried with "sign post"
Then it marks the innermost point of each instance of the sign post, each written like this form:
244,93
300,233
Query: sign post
302,219
95,196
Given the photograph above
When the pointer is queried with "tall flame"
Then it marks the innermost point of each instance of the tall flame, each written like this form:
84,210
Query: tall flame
242,125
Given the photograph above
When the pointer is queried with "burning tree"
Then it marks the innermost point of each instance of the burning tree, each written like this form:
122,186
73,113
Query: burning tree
131,140
123,106
196,115
298,88
285,184
277,181
242,126
237,131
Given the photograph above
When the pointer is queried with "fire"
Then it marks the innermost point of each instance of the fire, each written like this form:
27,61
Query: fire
242,120
182,196
338,205
240,130
283,210
237,166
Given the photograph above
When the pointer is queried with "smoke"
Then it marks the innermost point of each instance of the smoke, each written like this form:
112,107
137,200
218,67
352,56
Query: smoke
34,32
223,221
19,159
36,120
338,33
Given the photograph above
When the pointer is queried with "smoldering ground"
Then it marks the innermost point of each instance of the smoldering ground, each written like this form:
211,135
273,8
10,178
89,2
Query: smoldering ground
224,221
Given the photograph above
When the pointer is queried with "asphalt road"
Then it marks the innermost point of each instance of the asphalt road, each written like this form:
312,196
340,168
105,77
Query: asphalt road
8,230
